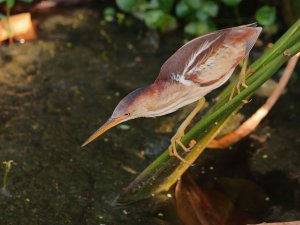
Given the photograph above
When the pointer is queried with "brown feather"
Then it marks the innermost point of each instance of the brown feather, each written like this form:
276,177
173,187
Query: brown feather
176,63
224,48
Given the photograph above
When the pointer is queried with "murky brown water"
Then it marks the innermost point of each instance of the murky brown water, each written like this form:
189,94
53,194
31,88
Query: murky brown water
57,90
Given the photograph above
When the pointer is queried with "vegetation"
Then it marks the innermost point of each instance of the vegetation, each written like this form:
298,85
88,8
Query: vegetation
8,165
196,16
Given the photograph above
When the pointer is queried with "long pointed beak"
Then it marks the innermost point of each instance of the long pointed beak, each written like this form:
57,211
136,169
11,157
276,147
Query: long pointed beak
109,124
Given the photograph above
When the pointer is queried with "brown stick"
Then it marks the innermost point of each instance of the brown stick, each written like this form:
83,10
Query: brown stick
280,223
249,125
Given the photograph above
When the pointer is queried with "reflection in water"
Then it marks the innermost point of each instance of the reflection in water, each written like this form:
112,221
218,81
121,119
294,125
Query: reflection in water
207,206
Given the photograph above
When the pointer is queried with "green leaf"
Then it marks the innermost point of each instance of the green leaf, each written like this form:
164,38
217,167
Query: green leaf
153,4
109,14
2,1
211,8
231,2
109,11
120,17
10,3
127,5
266,15
194,4
166,5
165,170
154,18
182,9
196,28
169,23
201,15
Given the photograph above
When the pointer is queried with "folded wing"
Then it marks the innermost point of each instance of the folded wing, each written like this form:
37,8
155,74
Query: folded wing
207,59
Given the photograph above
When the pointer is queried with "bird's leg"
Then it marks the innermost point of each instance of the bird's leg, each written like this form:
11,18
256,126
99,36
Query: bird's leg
176,139
243,74
242,79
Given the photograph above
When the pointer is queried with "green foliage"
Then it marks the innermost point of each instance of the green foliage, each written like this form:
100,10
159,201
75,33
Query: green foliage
10,3
154,18
182,9
166,5
109,14
169,23
165,14
210,8
127,5
266,15
195,15
231,2
195,28
194,4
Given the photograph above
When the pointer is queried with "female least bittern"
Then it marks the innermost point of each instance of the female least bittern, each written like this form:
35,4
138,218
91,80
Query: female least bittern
197,68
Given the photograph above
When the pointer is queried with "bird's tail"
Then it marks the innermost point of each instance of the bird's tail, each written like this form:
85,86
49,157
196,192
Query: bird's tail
250,25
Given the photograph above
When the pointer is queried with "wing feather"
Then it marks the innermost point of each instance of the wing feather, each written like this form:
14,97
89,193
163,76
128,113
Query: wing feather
195,50
207,59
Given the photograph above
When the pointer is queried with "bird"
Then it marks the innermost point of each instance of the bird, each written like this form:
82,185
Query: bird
194,70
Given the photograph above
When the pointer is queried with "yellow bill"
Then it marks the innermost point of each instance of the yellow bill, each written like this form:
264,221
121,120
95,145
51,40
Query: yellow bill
109,124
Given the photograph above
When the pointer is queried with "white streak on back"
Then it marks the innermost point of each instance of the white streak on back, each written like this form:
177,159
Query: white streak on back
181,77
202,48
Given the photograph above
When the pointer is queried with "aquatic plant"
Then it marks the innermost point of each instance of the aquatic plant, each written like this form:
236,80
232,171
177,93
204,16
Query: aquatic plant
197,16
4,189
165,171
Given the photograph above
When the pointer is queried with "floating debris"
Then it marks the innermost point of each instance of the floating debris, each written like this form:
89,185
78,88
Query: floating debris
124,127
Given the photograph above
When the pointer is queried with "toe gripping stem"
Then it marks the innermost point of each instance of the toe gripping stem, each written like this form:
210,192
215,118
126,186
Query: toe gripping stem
176,139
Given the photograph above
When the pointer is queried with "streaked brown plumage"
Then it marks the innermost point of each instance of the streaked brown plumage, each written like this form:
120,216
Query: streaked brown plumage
197,68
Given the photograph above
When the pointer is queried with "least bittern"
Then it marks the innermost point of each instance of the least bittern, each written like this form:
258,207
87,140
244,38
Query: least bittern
194,70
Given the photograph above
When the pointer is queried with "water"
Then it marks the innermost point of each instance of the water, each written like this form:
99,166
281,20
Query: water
57,90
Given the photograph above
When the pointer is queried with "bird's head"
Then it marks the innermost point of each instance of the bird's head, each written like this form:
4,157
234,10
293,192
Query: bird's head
130,107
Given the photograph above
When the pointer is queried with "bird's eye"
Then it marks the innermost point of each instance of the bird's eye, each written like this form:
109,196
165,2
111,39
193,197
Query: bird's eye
127,114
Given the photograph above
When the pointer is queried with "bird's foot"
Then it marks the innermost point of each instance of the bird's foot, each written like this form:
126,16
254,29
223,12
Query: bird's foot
242,79
241,83
176,139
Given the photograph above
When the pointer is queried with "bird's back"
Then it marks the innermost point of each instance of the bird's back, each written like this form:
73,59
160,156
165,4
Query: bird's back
207,59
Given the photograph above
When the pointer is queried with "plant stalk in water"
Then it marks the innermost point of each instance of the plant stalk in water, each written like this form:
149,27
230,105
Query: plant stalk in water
8,165
9,5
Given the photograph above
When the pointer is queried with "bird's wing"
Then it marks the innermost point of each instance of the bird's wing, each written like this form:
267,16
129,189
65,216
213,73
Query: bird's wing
208,58
195,50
